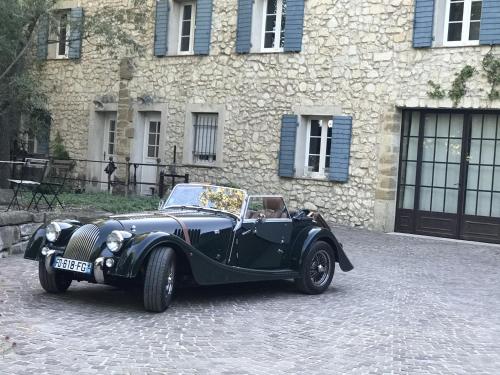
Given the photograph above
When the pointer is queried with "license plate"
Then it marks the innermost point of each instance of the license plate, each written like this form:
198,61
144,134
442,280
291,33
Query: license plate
72,265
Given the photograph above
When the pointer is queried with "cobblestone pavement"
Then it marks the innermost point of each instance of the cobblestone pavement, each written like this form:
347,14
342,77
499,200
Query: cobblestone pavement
412,305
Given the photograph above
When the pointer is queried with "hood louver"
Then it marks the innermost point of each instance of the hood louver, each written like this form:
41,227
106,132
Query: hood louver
194,235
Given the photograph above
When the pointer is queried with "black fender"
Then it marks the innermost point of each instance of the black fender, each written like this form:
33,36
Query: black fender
205,270
38,240
309,236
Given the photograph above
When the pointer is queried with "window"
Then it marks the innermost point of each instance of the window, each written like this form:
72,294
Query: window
62,34
462,22
111,137
186,27
153,139
274,24
317,152
205,137
267,207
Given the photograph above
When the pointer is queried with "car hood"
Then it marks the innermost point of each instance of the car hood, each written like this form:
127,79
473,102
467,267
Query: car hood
168,221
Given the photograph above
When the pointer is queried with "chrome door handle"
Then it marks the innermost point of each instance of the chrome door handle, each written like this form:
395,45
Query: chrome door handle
280,251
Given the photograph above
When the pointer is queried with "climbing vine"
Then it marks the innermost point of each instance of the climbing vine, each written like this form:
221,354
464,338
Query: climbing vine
491,66
436,91
459,85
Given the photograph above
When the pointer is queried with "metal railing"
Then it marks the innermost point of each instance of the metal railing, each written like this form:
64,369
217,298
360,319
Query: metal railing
132,183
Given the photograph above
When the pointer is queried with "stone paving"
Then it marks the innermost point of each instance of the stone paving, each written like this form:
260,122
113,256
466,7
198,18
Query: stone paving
412,306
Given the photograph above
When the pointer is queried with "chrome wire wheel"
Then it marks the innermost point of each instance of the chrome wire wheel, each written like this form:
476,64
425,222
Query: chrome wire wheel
321,265
169,287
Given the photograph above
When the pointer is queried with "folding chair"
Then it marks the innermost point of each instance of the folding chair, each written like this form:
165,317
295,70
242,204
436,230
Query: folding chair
31,176
53,184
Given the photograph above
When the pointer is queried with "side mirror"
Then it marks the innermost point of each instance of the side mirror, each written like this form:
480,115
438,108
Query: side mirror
160,204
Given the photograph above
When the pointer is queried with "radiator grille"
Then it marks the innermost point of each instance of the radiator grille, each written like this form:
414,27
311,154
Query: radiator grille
82,243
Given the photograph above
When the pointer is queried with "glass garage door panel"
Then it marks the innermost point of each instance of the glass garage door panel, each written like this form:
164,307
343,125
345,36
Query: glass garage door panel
482,197
440,168
411,123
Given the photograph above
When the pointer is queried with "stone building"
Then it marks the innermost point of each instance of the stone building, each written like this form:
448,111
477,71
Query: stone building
323,101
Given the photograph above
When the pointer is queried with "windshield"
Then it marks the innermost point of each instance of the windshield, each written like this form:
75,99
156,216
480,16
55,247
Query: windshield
215,197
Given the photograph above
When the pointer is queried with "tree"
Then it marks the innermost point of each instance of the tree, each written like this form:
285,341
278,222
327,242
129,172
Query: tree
110,29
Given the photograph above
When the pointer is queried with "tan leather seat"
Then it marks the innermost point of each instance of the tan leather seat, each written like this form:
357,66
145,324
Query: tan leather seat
274,208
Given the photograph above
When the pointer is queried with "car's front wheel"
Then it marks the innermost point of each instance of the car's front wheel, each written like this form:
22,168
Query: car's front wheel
159,280
317,269
56,282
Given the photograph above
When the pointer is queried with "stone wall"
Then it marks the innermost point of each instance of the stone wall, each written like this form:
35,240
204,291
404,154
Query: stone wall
356,57
16,228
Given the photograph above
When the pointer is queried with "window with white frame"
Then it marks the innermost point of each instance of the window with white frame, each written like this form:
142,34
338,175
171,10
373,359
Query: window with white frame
62,34
205,137
153,139
111,137
268,25
186,27
317,147
273,34
462,22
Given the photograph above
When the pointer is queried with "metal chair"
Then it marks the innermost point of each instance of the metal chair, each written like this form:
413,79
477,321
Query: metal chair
53,184
30,178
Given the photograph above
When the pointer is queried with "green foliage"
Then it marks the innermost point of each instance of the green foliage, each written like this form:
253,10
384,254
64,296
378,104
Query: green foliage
110,203
459,85
58,149
491,66
436,91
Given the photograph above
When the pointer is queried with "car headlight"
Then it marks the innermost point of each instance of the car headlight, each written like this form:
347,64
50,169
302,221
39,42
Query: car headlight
114,241
52,231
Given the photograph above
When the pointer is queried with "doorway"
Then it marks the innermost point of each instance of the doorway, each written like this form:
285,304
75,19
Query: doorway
449,174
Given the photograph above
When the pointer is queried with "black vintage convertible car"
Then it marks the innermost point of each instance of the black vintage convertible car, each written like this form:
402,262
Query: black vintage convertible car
203,234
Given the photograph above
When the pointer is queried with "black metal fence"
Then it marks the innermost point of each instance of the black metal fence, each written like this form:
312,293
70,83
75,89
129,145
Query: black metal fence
128,180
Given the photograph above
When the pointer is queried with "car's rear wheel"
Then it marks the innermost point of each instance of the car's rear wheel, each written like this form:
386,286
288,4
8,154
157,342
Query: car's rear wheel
159,280
317,269
56,282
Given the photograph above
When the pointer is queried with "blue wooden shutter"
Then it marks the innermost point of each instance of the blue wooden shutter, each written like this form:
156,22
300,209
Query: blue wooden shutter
340,148
490,22
76,29
43,37
423,23
161,28
203,27
289,125
294,25
244,26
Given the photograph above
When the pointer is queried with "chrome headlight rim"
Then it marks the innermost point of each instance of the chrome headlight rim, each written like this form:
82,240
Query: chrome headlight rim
53,231
114,241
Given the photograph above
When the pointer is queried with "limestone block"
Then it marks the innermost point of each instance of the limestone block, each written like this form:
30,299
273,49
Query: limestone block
28,229
8,236
18,248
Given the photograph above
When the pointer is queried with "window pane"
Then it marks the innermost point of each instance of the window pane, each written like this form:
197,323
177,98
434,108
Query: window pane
451,203
456,11
111,137
441,150
496,186
475,146
487,152
313,163
152,139
409,197
477,123
271,6
443,124
186,28
270,23
439,174
269,40
437,200
475,13
151,152
453,175
490,126
187,12
415,123
430,125
495,207
411,172
455,32
63,22
455,151
428,149
425,199
486,178
474,31
470,203
426,174
472,176
185,44
316,128
483,204
315,145
457,122
111,149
